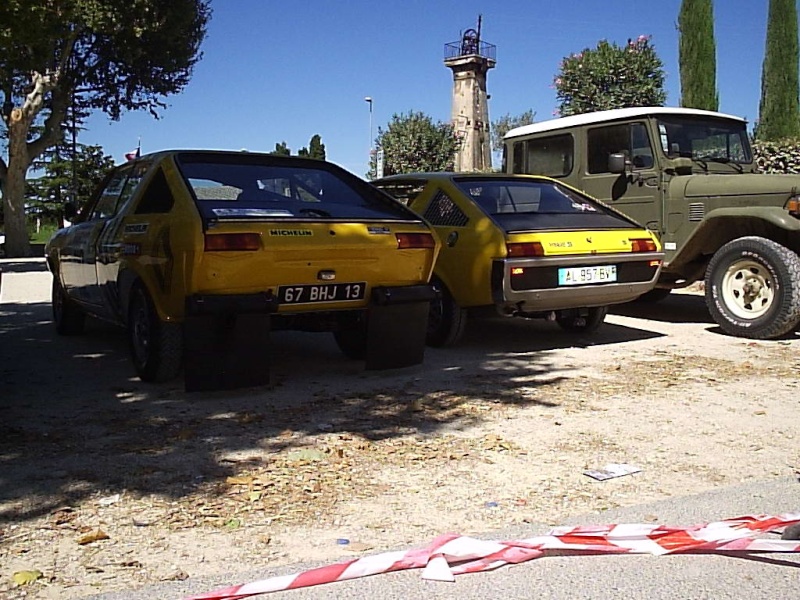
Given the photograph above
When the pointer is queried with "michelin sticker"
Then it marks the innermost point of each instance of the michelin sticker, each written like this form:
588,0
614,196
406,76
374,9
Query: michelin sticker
132,228
291,232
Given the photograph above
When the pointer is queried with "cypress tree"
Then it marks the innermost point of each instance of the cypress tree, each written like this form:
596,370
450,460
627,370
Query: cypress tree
698,60
778,109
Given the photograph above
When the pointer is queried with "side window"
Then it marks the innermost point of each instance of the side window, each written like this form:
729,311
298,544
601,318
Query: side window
106,205
552,156
443,211
131,185
157,197
630,139
641,151
403,191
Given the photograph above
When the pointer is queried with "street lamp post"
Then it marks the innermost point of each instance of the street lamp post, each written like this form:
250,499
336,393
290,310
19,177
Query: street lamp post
368,100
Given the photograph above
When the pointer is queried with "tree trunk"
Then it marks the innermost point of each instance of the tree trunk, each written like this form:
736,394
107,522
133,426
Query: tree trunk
16,229
21,153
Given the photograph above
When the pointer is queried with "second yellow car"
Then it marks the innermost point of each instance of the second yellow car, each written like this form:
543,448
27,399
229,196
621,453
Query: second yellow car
529,246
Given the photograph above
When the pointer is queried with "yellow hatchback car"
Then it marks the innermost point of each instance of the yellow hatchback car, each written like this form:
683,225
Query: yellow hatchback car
528,246
199,254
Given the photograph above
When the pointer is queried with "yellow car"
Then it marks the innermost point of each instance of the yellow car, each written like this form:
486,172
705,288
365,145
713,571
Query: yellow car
200,253
528,246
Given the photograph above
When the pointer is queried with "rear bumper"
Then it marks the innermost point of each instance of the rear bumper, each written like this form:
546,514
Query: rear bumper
215,304
536,288
392,296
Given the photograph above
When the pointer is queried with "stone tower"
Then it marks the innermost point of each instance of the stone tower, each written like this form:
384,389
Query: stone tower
470,59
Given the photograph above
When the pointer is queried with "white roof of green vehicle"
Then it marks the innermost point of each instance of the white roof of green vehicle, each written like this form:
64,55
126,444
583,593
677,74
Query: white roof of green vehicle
604,116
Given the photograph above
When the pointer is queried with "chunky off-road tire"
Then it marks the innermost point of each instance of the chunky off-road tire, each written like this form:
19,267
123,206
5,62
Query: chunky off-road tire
753,288
654,295
446,319
68,317
352,341
574,323
156,347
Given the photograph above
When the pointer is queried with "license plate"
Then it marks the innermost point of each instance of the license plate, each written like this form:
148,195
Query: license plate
583,275
324,292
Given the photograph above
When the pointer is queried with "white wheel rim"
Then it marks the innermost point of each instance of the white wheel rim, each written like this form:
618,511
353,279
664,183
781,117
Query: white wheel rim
748,289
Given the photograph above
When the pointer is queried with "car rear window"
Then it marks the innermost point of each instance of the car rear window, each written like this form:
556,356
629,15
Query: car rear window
539,204
499,196
241,186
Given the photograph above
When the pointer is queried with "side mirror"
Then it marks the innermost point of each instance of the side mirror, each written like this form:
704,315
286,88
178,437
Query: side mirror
70,212
617,163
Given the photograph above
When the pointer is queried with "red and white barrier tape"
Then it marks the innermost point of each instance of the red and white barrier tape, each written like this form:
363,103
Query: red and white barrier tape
451,555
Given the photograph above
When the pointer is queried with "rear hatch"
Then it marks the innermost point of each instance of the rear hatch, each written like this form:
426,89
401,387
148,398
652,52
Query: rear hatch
305,231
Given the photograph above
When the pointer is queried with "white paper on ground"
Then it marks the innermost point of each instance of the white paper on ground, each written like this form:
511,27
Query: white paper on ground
612,470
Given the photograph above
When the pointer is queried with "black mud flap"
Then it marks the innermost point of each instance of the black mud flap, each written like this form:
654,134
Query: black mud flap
224,352
396,335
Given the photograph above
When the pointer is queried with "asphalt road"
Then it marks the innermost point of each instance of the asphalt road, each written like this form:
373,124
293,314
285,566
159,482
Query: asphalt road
605,577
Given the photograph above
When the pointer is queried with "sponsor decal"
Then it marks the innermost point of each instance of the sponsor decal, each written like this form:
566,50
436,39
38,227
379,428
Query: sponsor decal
232,213
131,250
136,228
291,232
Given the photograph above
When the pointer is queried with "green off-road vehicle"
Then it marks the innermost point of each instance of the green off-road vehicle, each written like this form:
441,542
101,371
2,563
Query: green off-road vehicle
690,176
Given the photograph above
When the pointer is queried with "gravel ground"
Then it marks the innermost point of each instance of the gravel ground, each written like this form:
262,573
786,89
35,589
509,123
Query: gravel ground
110,484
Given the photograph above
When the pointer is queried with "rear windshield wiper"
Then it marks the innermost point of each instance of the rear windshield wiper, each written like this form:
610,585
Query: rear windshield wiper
314,212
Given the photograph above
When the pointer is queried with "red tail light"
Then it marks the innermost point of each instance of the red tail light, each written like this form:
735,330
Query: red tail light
414,240
223,242
522,249
643,245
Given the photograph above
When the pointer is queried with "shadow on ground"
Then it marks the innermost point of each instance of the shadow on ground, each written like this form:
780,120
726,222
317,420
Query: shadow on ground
78,423
675,308
22,266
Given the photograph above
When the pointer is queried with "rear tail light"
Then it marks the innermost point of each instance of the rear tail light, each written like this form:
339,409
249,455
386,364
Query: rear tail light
223,242
643,245
523,249
414,240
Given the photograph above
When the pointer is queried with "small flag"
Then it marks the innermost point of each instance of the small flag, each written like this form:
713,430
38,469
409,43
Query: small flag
134,154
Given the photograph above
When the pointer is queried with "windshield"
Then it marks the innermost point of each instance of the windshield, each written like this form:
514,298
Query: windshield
704,139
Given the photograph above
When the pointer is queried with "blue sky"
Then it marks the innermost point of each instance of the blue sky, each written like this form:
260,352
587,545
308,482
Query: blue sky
284,71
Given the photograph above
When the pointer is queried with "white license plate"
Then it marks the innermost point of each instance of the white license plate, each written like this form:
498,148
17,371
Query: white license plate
583,275
324,292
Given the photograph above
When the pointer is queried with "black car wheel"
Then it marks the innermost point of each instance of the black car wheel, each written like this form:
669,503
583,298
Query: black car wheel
574,322
156,347
446,319
68,317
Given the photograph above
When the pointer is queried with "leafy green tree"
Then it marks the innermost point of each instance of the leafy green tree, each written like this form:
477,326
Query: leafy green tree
610,76
698,55
67,177
281,150
413,142
504,124
316,149
778,109
103,55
